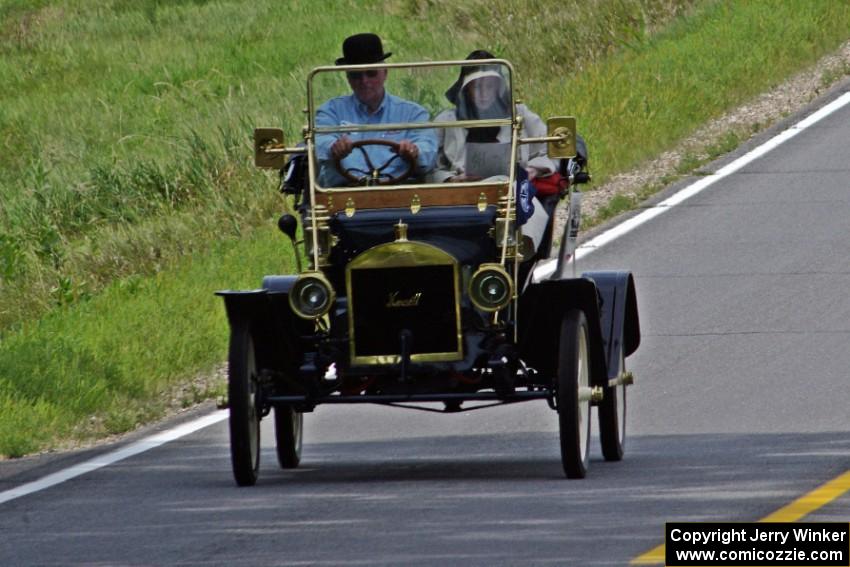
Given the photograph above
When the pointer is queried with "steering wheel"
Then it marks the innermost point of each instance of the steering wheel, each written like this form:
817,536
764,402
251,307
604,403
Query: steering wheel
375,175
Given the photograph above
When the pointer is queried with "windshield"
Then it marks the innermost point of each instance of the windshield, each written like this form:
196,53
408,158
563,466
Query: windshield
393,124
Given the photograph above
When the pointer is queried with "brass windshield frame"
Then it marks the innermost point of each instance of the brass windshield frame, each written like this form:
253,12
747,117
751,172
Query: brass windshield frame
312,130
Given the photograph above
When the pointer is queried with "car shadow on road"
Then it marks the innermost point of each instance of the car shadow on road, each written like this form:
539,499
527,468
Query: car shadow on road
656,461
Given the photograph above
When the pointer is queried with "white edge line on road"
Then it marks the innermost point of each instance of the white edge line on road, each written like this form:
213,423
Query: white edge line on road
547,269
540,273
113,457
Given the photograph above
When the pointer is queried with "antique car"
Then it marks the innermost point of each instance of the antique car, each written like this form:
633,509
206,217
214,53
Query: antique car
423,294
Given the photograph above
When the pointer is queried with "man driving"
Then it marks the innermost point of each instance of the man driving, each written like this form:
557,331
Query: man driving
369,103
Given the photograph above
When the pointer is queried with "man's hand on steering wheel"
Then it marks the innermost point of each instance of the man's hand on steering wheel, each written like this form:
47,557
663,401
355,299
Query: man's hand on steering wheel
408,150
342,147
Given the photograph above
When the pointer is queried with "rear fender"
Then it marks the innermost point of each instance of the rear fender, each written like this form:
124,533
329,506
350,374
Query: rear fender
619,315
541,310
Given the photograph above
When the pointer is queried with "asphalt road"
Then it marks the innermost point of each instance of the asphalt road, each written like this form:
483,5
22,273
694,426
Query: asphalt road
740,407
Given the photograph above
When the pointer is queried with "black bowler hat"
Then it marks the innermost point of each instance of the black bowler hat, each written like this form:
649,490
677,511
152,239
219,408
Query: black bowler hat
362,49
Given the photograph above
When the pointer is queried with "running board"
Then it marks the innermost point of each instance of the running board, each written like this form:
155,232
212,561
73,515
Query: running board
418,398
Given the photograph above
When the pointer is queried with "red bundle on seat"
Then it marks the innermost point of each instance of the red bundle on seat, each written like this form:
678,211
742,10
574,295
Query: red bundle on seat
551,184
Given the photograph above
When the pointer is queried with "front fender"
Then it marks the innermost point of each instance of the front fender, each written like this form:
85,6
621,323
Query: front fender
274,328
542,308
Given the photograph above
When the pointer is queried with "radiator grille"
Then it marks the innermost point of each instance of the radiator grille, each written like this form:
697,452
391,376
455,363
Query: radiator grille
420,299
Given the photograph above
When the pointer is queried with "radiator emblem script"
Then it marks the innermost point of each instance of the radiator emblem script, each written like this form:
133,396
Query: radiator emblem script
394,300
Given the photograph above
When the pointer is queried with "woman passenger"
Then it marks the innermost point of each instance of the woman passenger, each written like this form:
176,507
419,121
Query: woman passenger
482,93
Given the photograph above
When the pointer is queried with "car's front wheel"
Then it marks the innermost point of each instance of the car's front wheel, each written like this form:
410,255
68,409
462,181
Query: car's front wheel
242,390
573,394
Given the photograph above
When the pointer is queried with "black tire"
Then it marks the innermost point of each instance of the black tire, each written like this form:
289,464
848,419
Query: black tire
574,374
288,431
244,414
612,419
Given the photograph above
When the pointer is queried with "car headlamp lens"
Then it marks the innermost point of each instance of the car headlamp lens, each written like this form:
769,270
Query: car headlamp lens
311,296
493,288
490,288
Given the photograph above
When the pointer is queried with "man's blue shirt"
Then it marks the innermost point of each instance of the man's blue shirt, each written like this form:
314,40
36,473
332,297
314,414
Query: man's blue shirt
347,111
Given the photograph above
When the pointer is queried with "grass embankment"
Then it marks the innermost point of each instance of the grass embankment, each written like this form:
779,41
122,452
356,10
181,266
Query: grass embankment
125,179
103,365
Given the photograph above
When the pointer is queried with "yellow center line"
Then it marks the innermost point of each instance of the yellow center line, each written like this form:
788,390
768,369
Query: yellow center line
802,506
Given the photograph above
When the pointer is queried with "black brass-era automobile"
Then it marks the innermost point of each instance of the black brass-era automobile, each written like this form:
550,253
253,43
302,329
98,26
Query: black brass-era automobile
423,294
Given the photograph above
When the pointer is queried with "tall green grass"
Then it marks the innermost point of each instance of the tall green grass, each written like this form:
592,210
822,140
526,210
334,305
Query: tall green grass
108,364
127,193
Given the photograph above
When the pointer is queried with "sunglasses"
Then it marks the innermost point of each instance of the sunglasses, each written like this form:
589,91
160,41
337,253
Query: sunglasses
354,75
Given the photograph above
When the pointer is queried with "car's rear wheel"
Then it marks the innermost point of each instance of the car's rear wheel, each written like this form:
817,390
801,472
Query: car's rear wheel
612,418
288,431
242,393
573,394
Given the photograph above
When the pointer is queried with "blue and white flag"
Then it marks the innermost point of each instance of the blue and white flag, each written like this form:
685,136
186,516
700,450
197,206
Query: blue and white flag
525,193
